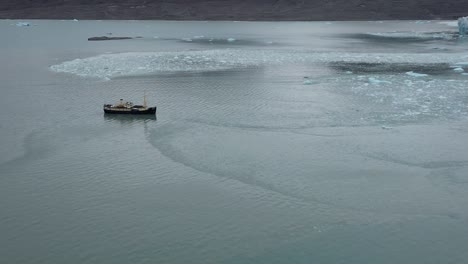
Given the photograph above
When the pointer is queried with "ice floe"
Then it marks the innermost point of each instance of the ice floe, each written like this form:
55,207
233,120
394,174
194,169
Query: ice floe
23,24
373,80
142,63
415,74
417,35
449,23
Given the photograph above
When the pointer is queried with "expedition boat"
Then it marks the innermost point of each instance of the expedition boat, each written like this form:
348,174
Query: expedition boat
129,108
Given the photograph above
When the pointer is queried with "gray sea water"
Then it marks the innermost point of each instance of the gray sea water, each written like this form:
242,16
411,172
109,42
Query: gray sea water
365,161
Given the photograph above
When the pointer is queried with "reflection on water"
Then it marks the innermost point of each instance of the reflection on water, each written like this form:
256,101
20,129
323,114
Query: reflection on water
127,119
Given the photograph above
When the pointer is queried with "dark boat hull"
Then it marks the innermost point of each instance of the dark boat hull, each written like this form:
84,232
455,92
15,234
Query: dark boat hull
149,111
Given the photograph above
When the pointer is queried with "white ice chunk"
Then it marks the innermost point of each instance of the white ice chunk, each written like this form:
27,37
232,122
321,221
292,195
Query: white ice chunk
459,69
231,39
415,74
408,82
308,81
373,80
23,24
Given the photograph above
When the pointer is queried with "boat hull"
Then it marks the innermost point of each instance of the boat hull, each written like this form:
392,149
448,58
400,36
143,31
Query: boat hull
148,111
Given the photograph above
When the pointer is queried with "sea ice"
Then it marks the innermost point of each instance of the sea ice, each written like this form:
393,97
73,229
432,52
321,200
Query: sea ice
412,35
459,64
458,69
231,39
449,23
373,80
415,74
127,64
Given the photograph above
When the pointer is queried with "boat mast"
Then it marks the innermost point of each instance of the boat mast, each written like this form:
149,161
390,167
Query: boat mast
144,100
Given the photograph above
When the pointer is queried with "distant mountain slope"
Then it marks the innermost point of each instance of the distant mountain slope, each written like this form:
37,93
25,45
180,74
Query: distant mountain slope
235,10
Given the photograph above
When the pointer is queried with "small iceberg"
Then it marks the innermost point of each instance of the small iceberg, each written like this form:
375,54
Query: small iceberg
307,81
463,26
373,80
458,69
415,74
231,39
23,24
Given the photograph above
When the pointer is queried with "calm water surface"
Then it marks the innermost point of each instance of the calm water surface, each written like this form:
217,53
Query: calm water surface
364,162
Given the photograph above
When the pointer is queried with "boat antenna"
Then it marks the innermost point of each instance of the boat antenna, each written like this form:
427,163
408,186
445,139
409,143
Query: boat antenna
144,99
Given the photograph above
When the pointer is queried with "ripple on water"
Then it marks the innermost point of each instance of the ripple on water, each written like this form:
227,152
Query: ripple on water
305,167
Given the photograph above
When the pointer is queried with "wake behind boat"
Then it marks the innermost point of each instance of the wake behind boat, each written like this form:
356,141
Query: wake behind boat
129,108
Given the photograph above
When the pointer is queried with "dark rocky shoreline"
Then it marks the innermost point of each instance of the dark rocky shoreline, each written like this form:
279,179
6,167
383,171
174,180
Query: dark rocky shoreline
263,10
